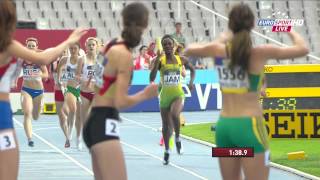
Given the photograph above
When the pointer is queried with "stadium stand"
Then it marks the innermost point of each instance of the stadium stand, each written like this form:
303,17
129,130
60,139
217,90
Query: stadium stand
197,23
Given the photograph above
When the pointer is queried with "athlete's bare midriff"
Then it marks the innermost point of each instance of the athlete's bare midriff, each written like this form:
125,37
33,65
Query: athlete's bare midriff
238,105
101,101
86,86
33,84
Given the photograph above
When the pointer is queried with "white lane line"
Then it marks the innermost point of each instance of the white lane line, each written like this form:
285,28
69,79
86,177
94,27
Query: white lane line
57,149
274,165
160,159
159,130
140,124
199,123
39,129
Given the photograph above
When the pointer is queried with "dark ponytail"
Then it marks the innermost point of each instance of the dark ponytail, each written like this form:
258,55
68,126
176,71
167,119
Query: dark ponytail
241,21
132,35
135,20
8,19
241,49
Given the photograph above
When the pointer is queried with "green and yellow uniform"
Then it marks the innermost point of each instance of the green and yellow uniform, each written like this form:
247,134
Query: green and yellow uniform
240,131
170,77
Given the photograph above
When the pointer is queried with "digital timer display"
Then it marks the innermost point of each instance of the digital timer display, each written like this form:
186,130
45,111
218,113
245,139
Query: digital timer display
291,103
232,152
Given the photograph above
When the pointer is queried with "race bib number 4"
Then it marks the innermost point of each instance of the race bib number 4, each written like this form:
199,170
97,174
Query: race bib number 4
112,127
99,69
236,78
171,78
7,141
98,76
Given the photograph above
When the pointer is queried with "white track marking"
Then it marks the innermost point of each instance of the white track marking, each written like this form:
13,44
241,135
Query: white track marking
39,129
140,124
57,149
160,159
274,165
154,156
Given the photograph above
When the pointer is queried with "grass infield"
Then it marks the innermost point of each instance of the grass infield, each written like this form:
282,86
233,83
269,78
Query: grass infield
279,148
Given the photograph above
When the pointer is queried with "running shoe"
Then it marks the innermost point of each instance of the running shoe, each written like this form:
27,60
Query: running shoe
179,147
30,143
161,143
67,144
166,158
79,144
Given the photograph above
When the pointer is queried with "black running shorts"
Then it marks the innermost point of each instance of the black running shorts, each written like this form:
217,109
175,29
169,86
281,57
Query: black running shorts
102,125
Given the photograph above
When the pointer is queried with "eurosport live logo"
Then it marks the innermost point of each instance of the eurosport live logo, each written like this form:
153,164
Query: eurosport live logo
281,25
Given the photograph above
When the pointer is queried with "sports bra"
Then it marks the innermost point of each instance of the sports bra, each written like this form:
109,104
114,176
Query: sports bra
31,71
87,71
70,70
105,84
8,74
236,81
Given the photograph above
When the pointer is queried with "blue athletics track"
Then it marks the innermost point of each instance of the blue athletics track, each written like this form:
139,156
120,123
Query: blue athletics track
140,135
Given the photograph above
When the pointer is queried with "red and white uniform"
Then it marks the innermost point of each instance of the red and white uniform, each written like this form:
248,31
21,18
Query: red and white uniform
8,74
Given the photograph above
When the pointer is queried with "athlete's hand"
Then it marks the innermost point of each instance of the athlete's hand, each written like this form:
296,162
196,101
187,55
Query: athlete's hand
76,35
78,78
151,91
190,86
159,53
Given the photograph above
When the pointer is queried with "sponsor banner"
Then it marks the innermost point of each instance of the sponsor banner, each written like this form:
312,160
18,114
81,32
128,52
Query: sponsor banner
202,97
293,124
141,77
206,94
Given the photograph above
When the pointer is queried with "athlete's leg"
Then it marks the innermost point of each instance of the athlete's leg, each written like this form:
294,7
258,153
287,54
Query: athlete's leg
109,160
70,107
230,168
37,105
78,125
166,133
84,109
27,106
166,127
95,167
9,163
256,167
175,110
62,119
84,112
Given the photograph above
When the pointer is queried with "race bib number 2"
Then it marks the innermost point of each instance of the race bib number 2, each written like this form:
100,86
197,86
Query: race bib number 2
7,141
112,127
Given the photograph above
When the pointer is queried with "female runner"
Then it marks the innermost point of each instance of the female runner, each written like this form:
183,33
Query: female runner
113,73
87,85
32,90
9,66
171,93
241,67
70,108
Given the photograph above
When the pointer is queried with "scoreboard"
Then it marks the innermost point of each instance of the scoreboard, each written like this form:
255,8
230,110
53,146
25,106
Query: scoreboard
292,102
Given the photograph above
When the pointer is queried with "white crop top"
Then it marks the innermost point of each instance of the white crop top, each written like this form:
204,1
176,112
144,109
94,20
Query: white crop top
88,71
